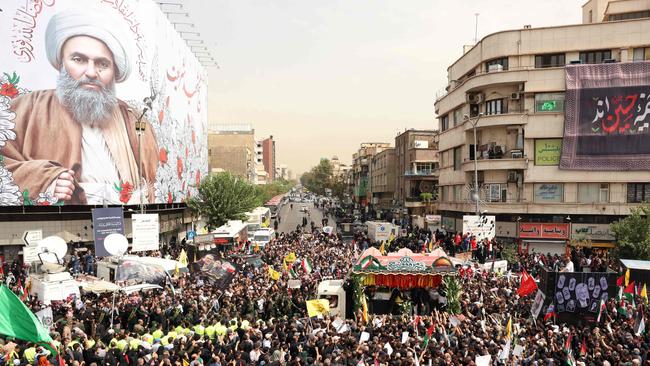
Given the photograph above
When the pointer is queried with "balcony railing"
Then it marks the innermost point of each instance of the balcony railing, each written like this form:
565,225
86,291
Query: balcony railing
421,172
418,199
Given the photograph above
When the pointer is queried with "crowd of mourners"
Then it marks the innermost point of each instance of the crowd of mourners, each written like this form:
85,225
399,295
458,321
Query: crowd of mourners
256,320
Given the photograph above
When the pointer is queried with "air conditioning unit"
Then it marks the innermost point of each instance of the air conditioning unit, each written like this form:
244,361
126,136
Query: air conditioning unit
515,96
495,67
475,98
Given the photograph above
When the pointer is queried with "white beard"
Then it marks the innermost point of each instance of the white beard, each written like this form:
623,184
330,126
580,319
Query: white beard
88,107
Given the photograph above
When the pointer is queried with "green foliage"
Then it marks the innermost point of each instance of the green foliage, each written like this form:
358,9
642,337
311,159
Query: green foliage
321,177
454,290
222,197
509,252
267,191
633,234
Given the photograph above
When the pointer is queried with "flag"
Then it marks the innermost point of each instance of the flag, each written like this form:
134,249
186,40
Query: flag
567,343
639,322
550,312
509,329
367,262
318,307
627,277
275,275
620,281
290,258
601,310
177,272
17,321
182,258
629,288
505,353
21,291
644,294
583,347
284,265
306,265
527,286
427,336
293,273
364,308
382,249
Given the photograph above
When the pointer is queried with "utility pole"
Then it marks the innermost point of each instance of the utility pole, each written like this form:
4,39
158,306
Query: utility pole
476,28
475,193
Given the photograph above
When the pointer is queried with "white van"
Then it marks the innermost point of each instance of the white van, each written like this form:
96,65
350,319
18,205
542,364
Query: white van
263,236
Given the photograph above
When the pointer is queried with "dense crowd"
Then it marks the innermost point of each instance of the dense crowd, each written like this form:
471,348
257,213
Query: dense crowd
256,320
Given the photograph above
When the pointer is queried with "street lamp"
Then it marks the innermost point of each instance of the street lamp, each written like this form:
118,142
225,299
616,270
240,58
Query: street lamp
474,122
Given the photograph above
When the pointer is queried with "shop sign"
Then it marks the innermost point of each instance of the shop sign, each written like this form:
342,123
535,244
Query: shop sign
592,231
548,151
529,230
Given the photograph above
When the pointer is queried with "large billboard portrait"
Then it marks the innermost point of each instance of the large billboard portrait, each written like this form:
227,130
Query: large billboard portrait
607,117
101,102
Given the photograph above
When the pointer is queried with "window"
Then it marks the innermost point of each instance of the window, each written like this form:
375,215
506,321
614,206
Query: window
457,158
548,192
549,102
458,193
638,54
550,60
494,106
444,122
498,64
595,57
591,16
458,116
593,192
496,192
630,15
638,192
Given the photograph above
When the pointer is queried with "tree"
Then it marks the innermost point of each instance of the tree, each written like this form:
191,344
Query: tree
222,197
270,190
321,177
633,234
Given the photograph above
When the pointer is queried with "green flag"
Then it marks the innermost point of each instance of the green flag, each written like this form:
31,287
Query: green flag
17,321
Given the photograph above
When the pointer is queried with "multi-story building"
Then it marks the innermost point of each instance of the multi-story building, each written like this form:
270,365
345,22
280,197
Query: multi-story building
232,148
416,164
268,157
262,177
382,179
512,85
338,168
361,170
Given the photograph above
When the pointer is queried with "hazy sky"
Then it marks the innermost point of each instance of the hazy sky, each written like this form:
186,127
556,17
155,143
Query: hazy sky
324,76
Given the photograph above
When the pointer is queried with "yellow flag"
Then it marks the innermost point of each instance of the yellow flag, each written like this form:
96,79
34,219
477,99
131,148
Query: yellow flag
290,258
183,257
382,249
284,265
627,277
364,308
177,271
275,275
318,307
644,293
186,363
391,238
509,329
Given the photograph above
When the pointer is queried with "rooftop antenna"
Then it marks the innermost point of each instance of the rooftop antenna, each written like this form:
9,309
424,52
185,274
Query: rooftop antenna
476,28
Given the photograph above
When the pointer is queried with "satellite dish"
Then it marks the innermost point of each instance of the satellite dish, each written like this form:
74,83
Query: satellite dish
116,244
51,249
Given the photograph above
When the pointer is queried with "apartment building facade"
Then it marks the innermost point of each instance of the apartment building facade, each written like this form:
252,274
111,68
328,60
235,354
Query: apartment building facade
416,164
232,148
513,86
361,160
382,179
268,157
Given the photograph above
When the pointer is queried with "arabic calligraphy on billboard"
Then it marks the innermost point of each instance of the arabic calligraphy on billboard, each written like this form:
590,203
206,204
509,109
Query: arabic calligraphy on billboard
74,84
529,230
607,117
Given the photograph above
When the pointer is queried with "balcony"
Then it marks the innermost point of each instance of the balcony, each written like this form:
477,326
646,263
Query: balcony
507,162
505,119
412,202
421,173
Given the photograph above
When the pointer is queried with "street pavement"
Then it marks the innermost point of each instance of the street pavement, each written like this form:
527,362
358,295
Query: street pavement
291,218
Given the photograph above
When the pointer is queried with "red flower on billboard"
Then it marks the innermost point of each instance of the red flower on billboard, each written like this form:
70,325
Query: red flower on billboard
162,155
161,116
170,198
193,137
126,191
179,167
198,178
8,90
